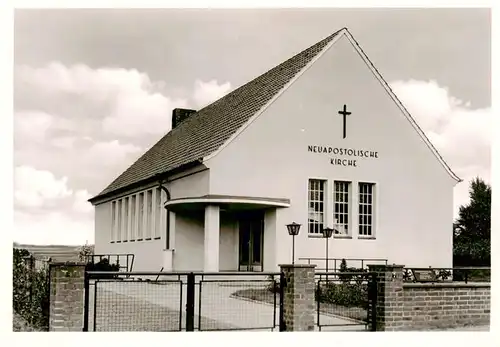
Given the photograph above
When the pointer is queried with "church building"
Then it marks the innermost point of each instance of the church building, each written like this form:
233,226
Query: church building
320,140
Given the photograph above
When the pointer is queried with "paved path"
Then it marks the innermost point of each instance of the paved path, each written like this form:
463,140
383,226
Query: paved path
217,309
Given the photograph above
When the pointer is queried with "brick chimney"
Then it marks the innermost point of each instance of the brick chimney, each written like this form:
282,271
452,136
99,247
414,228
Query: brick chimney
179,115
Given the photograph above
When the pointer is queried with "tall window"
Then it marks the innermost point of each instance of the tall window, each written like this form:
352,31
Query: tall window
366,209
125,220
158,209
118,220
341,207
149,211
114,226
140,231
133,224
316,206
138,217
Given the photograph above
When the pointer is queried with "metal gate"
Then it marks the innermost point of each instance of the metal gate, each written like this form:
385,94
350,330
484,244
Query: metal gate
346,301
152,301
158,301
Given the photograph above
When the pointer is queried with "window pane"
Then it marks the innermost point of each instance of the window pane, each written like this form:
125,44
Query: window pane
316,206
365,208
341,205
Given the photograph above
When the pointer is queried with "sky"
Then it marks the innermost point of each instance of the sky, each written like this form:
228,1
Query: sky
94,89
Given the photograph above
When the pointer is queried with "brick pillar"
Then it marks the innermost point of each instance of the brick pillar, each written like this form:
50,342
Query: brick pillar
66,296
298,297
389,296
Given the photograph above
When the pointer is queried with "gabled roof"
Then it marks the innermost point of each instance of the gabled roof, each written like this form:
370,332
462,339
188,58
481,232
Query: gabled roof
208,129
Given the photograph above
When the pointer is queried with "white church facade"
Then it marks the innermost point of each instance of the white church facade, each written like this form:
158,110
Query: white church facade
320,140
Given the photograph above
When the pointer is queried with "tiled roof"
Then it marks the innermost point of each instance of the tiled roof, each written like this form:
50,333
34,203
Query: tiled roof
209,128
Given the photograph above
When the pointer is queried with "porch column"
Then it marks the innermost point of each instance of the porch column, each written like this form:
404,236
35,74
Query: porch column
212,231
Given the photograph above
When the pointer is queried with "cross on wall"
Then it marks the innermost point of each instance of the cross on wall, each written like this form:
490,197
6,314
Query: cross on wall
344,113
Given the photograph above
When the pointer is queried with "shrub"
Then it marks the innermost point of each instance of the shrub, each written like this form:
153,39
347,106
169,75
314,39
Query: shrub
85,252
356,275
343,294
350,292
30,290
103,265
273,285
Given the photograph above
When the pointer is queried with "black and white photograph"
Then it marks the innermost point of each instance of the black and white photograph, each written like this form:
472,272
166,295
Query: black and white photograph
254,169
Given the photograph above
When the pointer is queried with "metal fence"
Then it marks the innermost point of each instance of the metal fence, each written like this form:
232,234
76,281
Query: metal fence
125,261
152,301
334,264
346,301
456,274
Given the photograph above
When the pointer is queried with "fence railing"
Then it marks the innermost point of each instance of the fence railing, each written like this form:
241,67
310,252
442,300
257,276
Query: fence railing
456,274
158,301
125,261
346,301
334,263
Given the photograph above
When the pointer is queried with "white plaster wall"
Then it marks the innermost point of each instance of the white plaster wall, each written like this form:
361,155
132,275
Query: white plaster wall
270,158
228,243
193,185
102,228
148,256
270,241
189,238
189,242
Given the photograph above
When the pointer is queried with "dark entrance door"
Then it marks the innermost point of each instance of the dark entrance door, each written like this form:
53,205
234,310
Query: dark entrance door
251,241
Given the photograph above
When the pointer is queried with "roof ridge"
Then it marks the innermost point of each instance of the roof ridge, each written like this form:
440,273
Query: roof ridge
328,38
203,132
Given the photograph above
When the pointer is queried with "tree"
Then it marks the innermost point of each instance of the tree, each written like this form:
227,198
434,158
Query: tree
472,229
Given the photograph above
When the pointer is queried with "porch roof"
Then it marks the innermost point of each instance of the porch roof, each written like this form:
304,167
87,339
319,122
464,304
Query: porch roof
226,202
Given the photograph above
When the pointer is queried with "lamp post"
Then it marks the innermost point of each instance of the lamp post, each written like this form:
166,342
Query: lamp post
327,233
293,230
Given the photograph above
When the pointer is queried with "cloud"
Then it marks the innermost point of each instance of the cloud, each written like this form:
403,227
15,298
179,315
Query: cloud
48,210
52,228
207,92
34,187
461,134
63,142
110,153
112,101
81,204
31,126
126,101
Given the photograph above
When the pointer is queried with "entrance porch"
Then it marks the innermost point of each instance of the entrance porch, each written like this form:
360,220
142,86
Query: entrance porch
233,233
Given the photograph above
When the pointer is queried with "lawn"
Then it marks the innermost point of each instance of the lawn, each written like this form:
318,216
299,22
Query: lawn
265,295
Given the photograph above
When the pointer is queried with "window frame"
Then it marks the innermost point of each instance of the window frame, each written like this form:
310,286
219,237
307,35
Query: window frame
347,215
131,216
323,202
373,213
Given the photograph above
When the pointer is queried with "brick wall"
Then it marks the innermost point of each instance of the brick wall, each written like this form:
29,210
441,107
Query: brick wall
426,306
298,297
444,305
66,296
